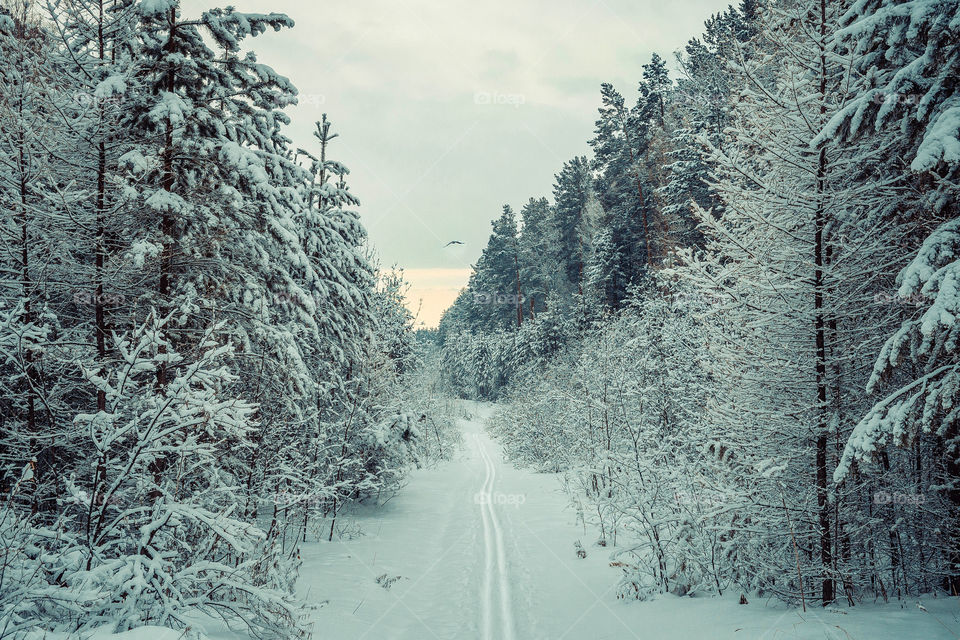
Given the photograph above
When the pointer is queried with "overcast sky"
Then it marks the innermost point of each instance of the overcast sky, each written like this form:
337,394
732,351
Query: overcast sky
447,110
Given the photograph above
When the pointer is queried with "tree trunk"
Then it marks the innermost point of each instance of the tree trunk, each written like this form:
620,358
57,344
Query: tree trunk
167,183
823,507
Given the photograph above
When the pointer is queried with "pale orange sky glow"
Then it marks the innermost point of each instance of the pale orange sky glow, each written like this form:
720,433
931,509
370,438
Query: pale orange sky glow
432,291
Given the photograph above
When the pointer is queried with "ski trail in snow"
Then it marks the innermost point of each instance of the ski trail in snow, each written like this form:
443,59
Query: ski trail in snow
486,595
492,522
505,602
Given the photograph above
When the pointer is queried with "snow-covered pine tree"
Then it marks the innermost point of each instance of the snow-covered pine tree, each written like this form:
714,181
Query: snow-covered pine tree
539,268
155,544
165,239
622,247
573,195
98,55
912,91
791,306
618,413
495,282
700,108
35,260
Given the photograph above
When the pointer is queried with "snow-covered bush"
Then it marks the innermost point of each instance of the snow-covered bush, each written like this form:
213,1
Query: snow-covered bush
156,532
617,415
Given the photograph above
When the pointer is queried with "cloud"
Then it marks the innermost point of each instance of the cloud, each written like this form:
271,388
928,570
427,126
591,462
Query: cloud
446,111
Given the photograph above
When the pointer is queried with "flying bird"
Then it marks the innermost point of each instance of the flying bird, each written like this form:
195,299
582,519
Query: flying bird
452,242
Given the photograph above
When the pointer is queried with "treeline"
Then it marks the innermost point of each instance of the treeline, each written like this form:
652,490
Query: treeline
201,362
734,326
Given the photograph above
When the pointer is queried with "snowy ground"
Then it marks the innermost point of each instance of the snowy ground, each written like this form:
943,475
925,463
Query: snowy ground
477,549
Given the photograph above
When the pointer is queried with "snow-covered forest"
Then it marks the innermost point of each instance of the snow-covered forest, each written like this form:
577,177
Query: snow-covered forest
199,359
728,338
732,328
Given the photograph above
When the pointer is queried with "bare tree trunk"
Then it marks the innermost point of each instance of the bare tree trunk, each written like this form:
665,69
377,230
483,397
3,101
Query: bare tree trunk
823,507
516,268
158,466
27,317
167,184
100,259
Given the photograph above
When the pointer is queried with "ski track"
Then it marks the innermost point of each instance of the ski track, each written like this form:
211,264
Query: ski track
510,573
494,546
486,590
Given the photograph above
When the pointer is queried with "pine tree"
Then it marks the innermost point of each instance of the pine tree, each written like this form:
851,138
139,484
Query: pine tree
155,551
913,91
793,303
539,268
495,283
623,244
35,261
572,192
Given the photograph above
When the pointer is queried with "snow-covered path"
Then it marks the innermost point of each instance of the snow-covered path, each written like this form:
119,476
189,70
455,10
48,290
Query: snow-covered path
477,550
439,550
495,563
447,553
